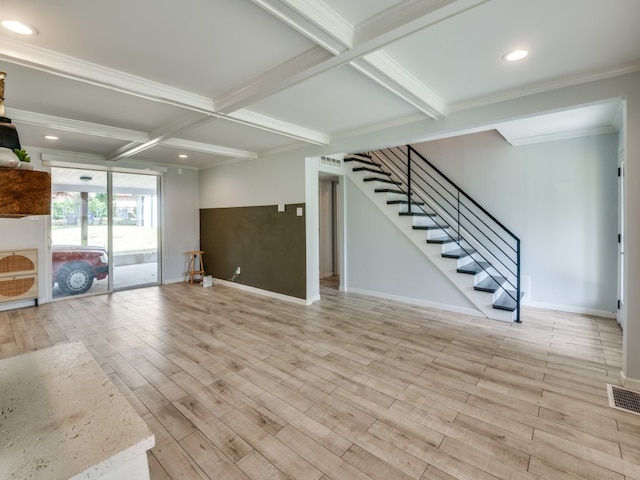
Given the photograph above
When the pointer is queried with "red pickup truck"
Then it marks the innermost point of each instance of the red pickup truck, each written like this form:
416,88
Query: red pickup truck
75,267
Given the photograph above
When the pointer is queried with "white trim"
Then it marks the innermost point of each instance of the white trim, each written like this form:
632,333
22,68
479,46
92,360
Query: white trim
76,126
419,302
69,67
278,126
570,309
320,14
630,383
428,101
545,87
265,293
209,148
296,20
552,137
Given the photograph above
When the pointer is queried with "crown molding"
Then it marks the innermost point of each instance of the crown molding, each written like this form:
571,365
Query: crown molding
552,137
75,126
270,124
209,148
541,87
402,83
170,130
93,74
409,17
271,82
69,67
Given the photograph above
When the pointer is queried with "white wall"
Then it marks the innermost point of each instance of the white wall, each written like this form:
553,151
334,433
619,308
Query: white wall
181,222
254,183
381,260
559,197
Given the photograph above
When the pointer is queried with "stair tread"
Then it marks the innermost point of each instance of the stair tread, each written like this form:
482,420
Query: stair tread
445,239
489,284
381,180
361,158
459,253
389,190
505,302
473,267
427,227
403,202
373,170
416,214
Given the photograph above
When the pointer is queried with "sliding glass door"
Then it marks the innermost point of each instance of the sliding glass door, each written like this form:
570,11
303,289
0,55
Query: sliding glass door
79,231
135,230
104,231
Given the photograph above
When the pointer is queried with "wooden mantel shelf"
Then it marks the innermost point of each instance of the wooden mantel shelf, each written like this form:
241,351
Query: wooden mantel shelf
24,192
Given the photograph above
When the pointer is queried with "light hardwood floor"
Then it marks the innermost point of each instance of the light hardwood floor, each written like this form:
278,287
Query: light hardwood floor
238,386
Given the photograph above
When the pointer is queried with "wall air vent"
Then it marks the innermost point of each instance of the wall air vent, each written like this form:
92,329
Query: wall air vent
624,399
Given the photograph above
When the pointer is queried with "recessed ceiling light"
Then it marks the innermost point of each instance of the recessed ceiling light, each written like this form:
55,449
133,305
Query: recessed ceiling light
183,155
515,55
19,27
51,137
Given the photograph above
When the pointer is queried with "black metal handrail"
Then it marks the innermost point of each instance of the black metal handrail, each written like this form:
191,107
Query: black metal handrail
471,223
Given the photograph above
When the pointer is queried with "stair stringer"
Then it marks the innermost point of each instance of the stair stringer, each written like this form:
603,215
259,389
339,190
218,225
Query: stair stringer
483,301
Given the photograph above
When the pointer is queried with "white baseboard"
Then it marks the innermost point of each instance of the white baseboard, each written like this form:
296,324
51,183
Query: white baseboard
570,309
19,304
630,383
416,301
173,280
265,293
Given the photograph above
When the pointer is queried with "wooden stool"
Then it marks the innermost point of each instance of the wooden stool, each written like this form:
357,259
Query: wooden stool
195,258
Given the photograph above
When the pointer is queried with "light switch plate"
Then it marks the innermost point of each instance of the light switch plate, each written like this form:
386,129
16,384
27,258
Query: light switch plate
299,211
281,207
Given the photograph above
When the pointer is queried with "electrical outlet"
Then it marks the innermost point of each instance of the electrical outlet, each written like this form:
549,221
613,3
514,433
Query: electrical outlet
237,270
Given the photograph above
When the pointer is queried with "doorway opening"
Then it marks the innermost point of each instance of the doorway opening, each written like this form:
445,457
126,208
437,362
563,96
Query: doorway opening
328,202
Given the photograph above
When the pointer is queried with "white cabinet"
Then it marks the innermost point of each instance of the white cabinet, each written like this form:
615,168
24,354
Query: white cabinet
18,275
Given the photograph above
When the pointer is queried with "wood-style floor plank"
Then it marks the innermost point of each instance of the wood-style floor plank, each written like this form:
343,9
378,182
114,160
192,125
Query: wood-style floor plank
239,386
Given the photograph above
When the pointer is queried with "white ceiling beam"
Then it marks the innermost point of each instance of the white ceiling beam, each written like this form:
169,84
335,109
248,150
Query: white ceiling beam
314,20
391,25
271,124
161,134
68,67
106,131
384,70
210,149
409,17
268,83
75,126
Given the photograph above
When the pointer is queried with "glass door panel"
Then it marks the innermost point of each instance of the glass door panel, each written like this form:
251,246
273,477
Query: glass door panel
135,230
79,231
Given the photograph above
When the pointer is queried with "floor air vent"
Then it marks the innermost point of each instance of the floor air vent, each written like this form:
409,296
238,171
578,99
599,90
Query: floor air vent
624,399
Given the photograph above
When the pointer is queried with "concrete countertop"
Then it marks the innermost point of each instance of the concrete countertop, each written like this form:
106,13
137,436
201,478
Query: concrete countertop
61,417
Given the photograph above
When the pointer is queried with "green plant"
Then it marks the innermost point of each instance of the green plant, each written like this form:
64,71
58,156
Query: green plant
22,155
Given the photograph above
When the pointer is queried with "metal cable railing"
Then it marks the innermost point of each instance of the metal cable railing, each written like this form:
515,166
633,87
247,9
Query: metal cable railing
476,231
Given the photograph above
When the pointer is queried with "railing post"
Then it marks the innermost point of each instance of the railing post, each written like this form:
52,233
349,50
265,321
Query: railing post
408,178
518,287
458,210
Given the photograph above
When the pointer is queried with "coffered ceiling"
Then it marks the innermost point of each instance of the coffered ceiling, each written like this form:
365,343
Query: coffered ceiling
226,80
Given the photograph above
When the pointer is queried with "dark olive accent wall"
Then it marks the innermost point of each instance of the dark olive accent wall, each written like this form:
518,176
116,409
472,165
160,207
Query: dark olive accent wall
268,246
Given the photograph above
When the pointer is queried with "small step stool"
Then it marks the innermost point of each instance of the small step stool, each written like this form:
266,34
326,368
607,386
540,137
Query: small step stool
195,258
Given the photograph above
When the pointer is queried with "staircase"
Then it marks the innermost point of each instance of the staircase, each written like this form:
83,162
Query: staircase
473,249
